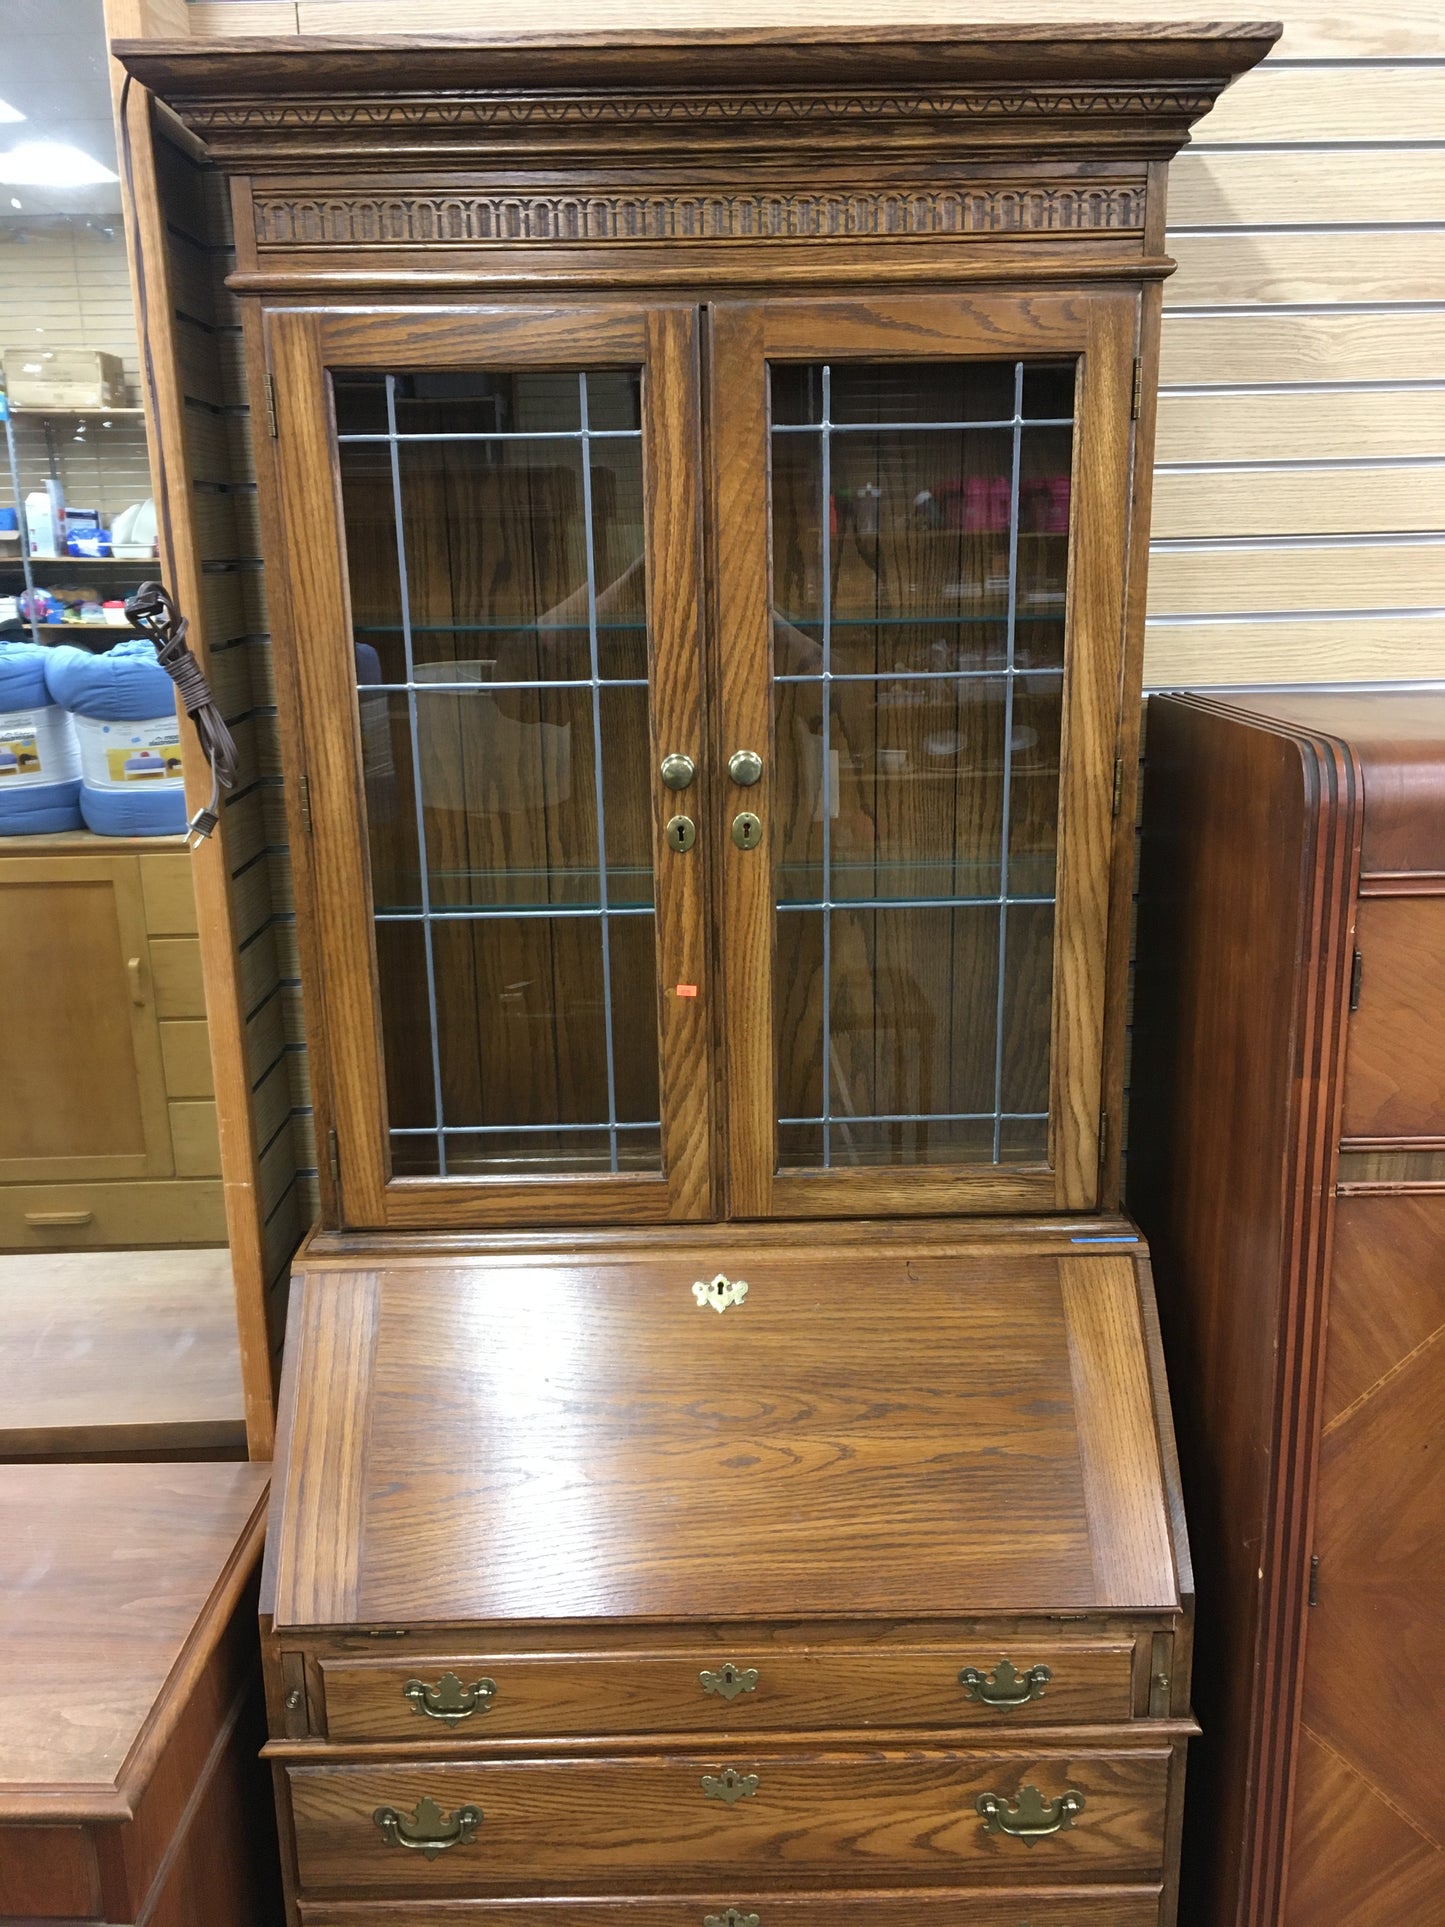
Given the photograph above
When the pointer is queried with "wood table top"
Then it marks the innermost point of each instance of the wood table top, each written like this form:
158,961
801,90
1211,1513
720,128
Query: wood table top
870,1431
115,1580
109,1352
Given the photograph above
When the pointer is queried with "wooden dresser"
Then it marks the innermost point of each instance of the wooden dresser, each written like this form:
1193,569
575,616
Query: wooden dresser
1287,1158
726,1469
857,1601
130,1697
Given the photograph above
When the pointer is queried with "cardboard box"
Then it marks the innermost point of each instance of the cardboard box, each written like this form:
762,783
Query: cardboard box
63,378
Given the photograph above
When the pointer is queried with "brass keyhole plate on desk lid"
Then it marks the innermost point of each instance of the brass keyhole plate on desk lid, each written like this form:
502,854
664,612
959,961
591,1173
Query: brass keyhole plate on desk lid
681,833
747,830
721,1292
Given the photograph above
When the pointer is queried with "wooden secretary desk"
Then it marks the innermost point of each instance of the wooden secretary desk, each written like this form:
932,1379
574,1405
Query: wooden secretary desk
727,1471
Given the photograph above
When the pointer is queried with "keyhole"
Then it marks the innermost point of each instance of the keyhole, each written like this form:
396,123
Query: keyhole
747,830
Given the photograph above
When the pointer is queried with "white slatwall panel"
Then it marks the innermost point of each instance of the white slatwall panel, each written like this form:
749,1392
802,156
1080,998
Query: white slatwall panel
65,286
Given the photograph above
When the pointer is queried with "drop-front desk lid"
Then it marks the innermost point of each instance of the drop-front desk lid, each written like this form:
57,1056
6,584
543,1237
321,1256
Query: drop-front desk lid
910,1427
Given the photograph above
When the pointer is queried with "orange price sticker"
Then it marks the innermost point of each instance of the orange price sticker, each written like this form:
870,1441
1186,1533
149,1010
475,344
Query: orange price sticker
687,990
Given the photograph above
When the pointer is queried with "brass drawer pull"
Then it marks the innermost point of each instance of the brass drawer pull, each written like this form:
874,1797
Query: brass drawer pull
1031,1818
732,1918
730,1680
1005,1686
427,1830
449,1700
730,1785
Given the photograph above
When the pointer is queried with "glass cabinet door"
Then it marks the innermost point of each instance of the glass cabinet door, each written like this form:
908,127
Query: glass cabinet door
496,643
924,610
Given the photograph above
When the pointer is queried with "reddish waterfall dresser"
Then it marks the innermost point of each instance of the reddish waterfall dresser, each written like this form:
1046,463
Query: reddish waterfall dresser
726,1475
1287,1157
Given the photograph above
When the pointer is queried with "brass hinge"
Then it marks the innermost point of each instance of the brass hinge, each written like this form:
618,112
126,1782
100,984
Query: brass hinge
1314,1579
304,792
271,402
333,1159
1118,785
1134,406
1357,971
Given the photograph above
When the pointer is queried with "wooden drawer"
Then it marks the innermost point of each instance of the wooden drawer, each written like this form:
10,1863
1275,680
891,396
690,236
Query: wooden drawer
853,1818
733,1690
60,1217
1395,1061
954,1907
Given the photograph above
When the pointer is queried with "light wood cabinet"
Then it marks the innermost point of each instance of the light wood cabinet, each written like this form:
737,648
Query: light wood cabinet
707,581
108,1134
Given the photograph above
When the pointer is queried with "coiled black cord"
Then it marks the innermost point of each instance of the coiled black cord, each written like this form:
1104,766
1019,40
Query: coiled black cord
155,614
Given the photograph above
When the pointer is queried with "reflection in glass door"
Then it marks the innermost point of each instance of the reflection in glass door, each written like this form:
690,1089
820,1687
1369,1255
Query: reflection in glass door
495,542
920,545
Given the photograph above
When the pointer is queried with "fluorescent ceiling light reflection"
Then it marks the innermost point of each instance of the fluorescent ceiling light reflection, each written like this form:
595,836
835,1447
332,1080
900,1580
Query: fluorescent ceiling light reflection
51,164
7,112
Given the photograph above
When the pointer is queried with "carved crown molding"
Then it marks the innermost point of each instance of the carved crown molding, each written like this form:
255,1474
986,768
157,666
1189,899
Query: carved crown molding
457,113
461,219
1126,93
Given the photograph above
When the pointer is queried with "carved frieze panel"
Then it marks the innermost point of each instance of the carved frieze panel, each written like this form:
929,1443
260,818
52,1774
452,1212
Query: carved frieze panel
428,220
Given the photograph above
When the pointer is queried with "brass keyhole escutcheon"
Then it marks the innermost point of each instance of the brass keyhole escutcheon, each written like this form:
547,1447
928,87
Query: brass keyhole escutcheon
747,830
677,770
681,833
745,766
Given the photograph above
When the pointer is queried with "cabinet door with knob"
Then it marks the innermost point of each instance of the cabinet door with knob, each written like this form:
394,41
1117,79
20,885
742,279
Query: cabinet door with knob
562,913
920,620
85,1090
498,658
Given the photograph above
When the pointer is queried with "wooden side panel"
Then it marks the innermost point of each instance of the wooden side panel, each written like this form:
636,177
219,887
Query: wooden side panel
319,1548
48,1873
1123,1482
1250,838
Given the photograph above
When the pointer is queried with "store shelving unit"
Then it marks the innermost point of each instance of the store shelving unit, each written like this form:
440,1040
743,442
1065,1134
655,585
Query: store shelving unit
20,568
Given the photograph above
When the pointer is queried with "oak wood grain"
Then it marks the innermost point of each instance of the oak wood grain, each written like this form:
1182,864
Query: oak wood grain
797,1688
840,1441
1093,1906
1119,1446
840,1815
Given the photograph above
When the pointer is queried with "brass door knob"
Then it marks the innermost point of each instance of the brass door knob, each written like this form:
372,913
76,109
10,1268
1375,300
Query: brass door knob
745,766
677,770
